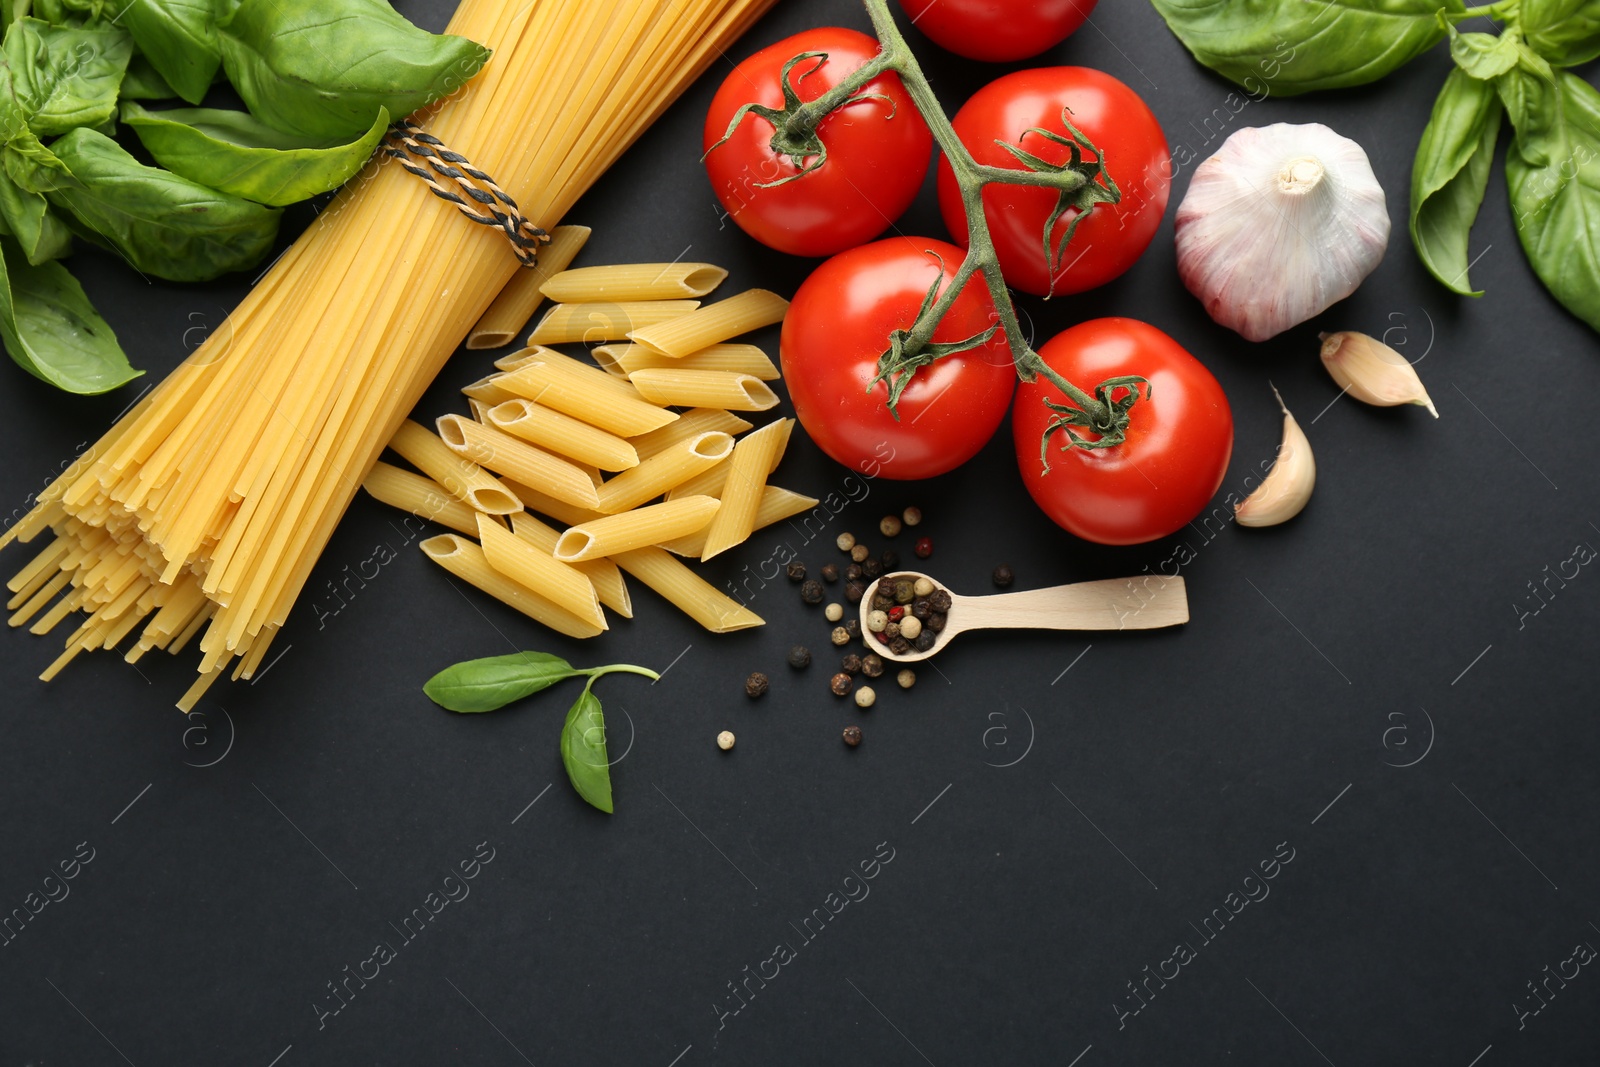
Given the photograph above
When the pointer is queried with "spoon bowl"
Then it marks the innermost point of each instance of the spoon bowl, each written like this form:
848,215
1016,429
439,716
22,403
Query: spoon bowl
1147,602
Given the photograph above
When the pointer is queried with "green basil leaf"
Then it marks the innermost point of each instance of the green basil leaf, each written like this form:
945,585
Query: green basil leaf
322,68
28,219
1483,55
179,37
1450,174
583,751
1553,175
237,153
494,682
1566,32
1296,46
65,77
144,82
52,331
162,224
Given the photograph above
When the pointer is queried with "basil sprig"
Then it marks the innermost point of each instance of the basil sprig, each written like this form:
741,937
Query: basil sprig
1553,167
478,685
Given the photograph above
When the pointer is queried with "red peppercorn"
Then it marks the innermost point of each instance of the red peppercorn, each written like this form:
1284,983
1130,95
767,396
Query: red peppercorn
923,548
897,613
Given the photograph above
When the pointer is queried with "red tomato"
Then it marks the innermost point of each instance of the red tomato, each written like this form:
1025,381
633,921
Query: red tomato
878,150
837,326
998,31
1178,444
1113,117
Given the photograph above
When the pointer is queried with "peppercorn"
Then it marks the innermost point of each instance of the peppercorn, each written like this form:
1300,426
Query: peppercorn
936,622
923,586
860,553
865,697
910,627
900,646
923,548
890,558
755,685
939,600
882,600
833,612
852,627
799,657
845,541
921,608
840,636
830,572
840,685
852,736
853,572
872,665
871,569
896,613
891,631
903,591
907,678
853,592
876,621
1004,576
725,740
911,516
811,591
796,571
851,664
889,525
925,640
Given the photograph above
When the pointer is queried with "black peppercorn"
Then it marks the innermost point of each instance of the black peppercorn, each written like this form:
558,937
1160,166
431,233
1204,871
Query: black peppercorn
871,569
799,657
811,591
935,622
890,559
755,685
923,548
853,592
852,573
921,608
830,572
852,736
1004,576
872,665
891,631
939,600
924,640
840,685
852,626
796,571
851,664
882,600
900,646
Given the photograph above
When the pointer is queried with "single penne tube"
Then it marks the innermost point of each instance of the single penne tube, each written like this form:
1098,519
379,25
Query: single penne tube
521,297
636,529
466,560
690,593
562,434
517,559
654,476
463,480
776,505
586,393
420,496
623,360
633,281
681,335
689,424
605,575
671,386
568,324
504,454
545,504
754,457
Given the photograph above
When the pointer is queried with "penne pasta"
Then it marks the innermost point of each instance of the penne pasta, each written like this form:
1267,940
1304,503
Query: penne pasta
466,560
521,297
685,589
590,324
463,480
623,360
754,458
489,391
504,454
776,505
681,335
586,393
633,281
562,434
638,528
607,578
559,510
517,559
420,496
671,386
654,476
689,424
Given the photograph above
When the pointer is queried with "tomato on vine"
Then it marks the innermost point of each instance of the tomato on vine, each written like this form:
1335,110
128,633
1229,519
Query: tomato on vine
810,182
1179,438
1048,116
846,315
998,31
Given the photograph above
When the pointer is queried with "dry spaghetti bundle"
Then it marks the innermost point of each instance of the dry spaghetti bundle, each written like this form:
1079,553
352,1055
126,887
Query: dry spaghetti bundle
202,511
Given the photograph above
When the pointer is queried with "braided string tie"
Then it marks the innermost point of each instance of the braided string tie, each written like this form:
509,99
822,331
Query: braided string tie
474,193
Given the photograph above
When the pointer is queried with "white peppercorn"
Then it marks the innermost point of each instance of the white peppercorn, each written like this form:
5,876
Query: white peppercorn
833,612
865,696
725,740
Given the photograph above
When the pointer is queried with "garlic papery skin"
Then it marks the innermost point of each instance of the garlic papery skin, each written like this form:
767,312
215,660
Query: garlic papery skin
1372,372
1280,224
1287,487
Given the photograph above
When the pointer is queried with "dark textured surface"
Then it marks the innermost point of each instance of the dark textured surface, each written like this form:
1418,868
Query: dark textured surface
1355,690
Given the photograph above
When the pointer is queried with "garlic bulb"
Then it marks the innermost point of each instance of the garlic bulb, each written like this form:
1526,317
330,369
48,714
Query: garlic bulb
1281,223
1372,372
1287,487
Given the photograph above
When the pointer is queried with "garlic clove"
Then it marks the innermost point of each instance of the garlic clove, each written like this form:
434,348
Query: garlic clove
1281,223
1372,372
1287,487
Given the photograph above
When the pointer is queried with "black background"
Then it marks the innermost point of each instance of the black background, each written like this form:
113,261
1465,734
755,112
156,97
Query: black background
1053,834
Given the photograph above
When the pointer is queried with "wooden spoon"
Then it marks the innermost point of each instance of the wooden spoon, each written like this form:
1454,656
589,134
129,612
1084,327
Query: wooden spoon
1144,603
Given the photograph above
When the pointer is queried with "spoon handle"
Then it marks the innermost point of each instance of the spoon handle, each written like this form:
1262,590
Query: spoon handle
1143,603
